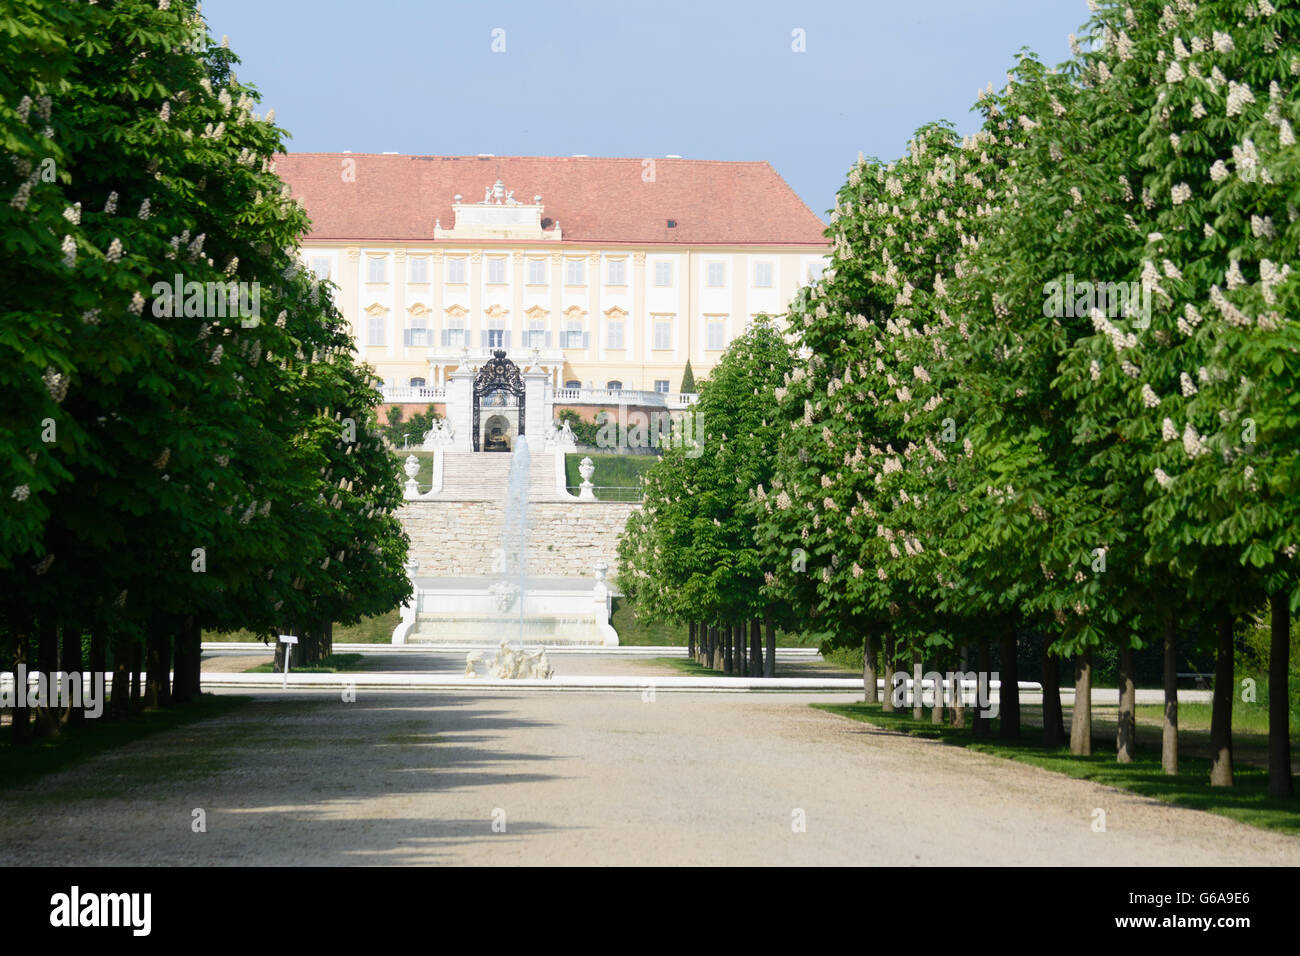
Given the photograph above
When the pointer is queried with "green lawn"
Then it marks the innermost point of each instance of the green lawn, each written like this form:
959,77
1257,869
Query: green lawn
617,477
425,475
687,667
332,664
635,632
76,744
1247,801
377,629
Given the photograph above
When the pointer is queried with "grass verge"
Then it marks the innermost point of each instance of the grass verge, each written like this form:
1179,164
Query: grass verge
689,667
332,664
21,765
1247,801
377,629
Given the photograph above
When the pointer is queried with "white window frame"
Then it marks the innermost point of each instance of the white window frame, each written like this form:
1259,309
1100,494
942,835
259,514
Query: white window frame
377,264
615,334
621,278
658,324
494,263
574,266
714,343
667,267
716,268
537,267
763,270
376,324
414,263
451,264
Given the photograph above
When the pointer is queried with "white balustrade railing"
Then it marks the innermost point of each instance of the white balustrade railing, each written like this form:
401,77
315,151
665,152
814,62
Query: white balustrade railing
414,393
624,396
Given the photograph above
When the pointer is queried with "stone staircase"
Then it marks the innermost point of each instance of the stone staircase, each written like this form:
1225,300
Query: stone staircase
485,476
474,476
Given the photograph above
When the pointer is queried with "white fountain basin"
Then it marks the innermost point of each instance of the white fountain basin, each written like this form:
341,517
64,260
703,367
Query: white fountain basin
466,610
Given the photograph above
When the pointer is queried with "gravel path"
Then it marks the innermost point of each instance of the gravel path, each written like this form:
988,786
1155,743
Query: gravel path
582,777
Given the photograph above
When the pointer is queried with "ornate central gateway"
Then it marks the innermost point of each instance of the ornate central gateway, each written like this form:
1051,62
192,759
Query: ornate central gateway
497,385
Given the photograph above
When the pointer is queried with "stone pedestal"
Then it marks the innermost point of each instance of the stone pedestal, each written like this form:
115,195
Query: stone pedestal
460,409
537,410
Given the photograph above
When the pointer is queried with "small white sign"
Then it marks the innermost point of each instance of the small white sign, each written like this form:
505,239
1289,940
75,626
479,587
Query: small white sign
288,639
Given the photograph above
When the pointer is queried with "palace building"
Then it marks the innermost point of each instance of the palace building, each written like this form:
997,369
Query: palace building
605,274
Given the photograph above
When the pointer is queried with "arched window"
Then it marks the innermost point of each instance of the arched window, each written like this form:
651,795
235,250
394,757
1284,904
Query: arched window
614,386
573,385
417,383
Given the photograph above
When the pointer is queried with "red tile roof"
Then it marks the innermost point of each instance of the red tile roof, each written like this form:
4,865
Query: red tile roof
594,200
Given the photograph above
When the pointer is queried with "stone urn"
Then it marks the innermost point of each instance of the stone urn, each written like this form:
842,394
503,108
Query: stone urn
412,468
586,468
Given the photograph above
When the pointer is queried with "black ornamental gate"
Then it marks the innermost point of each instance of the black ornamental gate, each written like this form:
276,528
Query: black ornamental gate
499,375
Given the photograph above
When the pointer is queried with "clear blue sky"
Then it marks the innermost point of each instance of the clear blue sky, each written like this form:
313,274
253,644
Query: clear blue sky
703,79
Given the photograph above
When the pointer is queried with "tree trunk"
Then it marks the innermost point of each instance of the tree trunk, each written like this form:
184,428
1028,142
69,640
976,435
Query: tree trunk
120,701
73,664
1009,692
186,685
1053,720
20,732
1126,728
958,704
870,694
1169,732
137,665
981,724
158,653
755,648
47,657
1081,716
937,711
98,648
719,652
1279,669
728,660
690,639
917,712
1221,709
740,636
769,659
887,705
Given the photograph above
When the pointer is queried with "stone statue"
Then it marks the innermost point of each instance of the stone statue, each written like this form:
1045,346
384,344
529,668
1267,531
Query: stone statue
442,433
511,664
586,468
551,436
567,441
487,195
412,468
